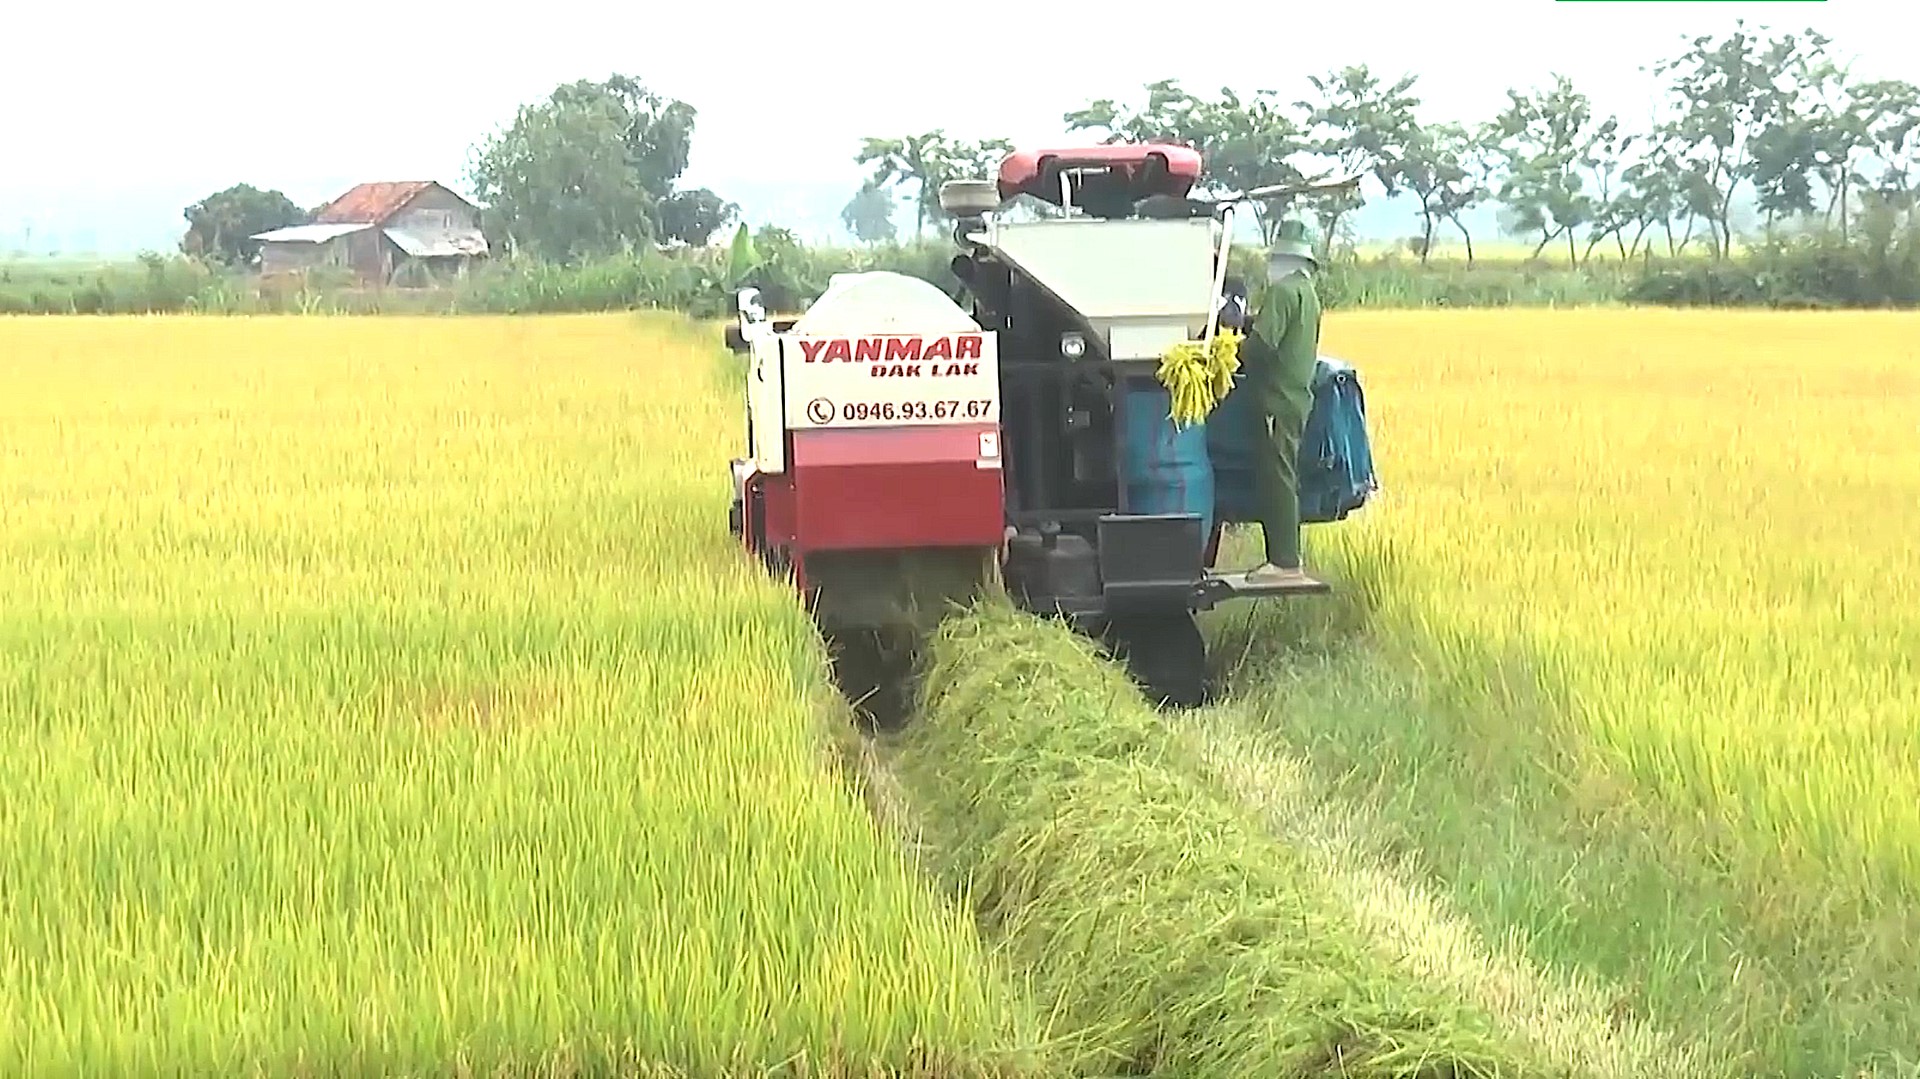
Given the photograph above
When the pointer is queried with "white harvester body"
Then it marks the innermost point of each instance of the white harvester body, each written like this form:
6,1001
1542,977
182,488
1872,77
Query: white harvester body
1142,285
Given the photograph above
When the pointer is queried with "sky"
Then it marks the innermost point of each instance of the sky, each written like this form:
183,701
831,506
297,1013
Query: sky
119,118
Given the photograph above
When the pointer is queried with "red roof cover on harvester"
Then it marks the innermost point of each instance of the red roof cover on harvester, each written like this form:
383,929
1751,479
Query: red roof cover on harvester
1148,169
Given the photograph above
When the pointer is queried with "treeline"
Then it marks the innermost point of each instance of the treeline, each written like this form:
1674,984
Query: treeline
1769,175
1775,128
1862,271
1764,138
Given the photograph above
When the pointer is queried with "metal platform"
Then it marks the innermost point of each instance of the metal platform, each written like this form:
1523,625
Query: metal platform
1225,586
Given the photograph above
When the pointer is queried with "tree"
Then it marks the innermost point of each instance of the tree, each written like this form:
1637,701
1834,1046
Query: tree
220,226
1614,205
928,160
1547,138
656,133
1837,124
959,159
1657,187
908,159
694,216
1361,123
592,170
1167,117
1253,143
1786,154
1440,165
1728,93
559,185
868,215
1889,112
1479,163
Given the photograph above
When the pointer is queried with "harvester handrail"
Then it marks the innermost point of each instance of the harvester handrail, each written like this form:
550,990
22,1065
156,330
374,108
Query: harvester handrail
1316,186
1219,276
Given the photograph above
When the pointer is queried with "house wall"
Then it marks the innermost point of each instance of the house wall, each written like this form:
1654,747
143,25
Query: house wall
367,254
281,258
436,210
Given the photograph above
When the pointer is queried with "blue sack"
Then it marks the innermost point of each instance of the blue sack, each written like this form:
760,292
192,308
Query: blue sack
1336,456
1335,460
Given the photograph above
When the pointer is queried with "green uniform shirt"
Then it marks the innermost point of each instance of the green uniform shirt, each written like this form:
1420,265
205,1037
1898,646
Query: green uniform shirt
1286,345
1281,352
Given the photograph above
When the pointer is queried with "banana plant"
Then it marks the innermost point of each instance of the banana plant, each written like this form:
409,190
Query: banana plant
742,259
722,281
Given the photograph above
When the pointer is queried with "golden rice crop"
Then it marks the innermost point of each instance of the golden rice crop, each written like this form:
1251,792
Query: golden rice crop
1702,522
384,694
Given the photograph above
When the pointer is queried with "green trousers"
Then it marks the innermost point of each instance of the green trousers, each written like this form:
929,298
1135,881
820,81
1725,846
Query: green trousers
1276,484
1281,353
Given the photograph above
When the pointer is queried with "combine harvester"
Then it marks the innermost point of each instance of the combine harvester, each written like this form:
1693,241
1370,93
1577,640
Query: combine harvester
904,452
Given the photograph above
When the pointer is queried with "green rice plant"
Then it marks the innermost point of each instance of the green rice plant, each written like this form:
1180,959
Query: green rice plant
384,696
1636,676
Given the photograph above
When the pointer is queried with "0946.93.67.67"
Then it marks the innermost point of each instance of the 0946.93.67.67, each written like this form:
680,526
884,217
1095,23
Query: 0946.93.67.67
915,410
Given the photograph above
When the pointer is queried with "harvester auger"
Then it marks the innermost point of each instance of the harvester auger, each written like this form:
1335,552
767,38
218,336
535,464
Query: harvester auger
904,451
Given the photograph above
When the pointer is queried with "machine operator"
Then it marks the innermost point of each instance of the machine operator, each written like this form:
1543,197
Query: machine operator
1278,356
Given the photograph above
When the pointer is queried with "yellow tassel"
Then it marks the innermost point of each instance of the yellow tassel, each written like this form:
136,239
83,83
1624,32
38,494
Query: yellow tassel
1197,379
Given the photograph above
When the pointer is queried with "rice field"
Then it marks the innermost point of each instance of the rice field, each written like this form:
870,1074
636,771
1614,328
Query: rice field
1653,575
1703,525
386,695
383,697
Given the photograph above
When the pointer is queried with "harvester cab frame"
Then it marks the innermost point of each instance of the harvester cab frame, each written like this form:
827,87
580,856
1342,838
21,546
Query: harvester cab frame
905,451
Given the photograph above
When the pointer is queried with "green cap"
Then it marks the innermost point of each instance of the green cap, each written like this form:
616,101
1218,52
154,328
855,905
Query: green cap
1294,237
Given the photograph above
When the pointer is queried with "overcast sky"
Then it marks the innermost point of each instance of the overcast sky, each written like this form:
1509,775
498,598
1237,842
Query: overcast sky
137,109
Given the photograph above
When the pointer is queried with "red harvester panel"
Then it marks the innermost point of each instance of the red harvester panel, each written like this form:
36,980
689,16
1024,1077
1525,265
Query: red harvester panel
1149,168
874,487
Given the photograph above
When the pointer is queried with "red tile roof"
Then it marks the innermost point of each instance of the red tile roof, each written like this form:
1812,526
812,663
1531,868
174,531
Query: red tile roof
371,203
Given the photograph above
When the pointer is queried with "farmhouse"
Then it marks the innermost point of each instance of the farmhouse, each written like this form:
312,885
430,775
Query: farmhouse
378,231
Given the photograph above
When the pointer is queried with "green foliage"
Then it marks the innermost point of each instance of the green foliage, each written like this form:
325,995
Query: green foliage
1879,266
591,171
587,179
869,215
926,161
742,258
692,217
1777,119
220,227
1549,142
559,183
1393,282
153,284
1735,100
1444,167
1364,124
628,280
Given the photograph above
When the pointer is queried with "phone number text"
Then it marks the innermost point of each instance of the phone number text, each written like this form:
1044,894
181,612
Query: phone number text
916,410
